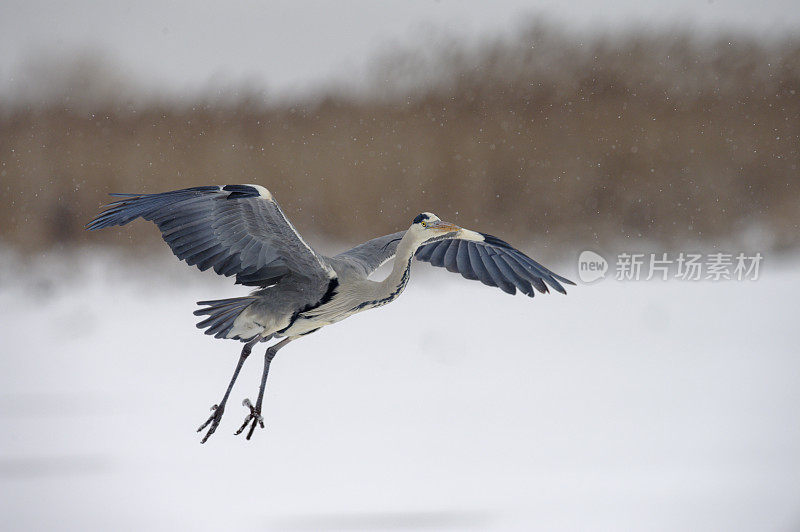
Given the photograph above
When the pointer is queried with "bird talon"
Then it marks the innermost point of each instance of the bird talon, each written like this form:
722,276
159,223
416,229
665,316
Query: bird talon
213,420
253,418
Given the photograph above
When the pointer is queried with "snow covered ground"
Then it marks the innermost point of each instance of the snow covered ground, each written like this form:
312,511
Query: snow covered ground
622,406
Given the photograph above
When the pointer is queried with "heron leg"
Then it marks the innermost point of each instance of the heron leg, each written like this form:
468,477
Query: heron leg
219,409
254,417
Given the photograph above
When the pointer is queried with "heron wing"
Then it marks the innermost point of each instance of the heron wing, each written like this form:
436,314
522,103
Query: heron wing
493,262
236,229
369,256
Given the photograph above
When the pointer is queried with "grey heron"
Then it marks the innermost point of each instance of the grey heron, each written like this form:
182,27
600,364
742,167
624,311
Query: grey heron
239,230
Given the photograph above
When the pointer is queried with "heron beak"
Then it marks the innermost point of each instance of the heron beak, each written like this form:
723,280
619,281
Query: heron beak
444,227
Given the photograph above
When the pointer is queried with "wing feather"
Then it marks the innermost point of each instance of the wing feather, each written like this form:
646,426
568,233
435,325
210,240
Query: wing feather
477,265
494,272
476,256
463,265
492,261
450,257
511,275
236,229
437,257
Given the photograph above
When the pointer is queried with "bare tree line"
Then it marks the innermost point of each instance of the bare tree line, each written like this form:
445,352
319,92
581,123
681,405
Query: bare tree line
643,139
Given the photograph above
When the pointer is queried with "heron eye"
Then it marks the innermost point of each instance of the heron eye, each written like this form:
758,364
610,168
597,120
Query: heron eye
424,223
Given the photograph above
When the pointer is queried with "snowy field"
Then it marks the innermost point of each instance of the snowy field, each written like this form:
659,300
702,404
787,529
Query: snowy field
622,406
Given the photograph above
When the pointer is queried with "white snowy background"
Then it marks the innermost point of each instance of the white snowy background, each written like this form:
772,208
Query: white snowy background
622,406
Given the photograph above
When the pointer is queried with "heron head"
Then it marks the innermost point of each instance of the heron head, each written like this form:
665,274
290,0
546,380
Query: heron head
427,225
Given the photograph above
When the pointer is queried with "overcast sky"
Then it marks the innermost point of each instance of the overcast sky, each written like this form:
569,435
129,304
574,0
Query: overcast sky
290,47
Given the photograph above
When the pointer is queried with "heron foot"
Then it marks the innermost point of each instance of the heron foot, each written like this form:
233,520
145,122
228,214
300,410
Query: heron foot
254,418
213,420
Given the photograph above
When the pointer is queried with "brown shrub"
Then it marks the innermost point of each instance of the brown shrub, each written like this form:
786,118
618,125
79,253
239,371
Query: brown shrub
655,139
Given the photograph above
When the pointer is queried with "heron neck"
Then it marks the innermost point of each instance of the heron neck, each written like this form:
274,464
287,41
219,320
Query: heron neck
396,281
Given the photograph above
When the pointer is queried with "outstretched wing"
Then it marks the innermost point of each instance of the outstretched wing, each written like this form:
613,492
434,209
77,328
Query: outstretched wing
493,262
369,256
236,229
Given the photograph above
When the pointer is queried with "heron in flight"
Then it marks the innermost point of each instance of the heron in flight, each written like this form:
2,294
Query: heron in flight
239,230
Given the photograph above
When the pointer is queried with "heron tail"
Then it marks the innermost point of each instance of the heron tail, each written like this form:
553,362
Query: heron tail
221,315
